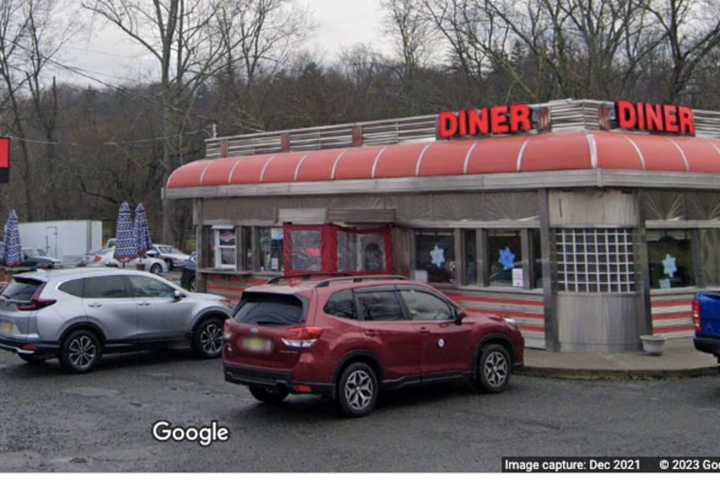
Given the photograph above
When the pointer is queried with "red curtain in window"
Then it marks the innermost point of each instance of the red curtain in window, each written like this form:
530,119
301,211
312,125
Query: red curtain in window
314,248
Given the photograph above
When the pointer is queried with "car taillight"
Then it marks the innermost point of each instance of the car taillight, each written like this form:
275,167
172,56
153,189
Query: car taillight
97,259
304,337
36,303
697,318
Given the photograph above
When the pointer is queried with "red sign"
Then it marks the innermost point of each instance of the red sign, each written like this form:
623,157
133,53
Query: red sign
4,159
655,118
502,119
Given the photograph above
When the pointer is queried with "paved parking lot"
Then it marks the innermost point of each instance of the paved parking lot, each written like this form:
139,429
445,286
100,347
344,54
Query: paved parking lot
102,421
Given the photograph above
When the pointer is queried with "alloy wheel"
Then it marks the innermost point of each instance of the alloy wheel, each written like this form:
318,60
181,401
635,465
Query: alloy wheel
211,339
82,352
496,369
359,389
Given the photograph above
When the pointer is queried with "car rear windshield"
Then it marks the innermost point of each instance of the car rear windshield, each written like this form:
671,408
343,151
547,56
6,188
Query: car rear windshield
21,289
269,309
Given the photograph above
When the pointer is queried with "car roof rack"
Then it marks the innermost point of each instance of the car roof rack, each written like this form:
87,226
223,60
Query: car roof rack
304,276
359,278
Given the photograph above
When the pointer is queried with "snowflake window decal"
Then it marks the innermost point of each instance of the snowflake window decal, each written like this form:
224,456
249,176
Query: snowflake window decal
506,258
669,265
438,256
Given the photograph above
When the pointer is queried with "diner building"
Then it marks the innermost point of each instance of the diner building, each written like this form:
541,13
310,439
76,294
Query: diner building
589,222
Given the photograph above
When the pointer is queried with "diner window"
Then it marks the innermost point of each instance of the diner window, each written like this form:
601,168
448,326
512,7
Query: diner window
670,258
595,260
225,248
504,256
435,256
306,255
470,261
361,252
270,243
710,246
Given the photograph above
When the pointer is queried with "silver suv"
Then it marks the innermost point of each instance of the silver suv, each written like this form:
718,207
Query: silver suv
79,314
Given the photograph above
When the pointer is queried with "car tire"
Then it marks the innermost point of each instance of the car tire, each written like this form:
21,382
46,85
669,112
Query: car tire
357,390
32,359
80,351
494,369
207,340
156,268
273,395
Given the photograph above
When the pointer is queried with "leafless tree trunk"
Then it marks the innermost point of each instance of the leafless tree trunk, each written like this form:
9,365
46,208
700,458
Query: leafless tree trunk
177,34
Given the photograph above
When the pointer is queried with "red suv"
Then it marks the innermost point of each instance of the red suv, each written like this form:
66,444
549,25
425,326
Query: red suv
348,338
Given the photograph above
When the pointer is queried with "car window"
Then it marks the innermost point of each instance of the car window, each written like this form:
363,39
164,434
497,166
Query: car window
379,305
269,309
111,286
426,306
21,289
72,287
149,287
342,304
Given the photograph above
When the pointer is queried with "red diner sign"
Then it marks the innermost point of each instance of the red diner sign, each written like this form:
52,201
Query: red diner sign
658,118
498,120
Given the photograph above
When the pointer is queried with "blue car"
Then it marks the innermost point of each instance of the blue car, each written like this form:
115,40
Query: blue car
706,316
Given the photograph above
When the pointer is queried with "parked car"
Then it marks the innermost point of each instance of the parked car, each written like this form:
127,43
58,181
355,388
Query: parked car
80,314
106,258
37,258
187,280
172,256
706,316
348,338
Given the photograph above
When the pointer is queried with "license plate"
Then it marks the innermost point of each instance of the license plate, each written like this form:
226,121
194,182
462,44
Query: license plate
257,345
7,328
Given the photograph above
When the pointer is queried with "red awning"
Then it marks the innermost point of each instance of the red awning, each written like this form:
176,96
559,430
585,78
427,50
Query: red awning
512,154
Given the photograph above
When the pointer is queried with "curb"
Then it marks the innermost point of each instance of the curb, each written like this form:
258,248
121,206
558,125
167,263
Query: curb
599,374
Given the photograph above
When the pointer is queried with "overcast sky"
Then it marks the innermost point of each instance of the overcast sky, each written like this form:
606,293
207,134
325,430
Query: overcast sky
104,52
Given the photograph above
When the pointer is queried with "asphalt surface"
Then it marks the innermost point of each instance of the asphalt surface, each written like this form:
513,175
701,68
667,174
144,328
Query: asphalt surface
51,421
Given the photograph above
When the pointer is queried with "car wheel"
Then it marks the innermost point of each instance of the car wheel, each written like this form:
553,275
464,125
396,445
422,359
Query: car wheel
156,268
208,338
493,369
274,395
32,359
357,390
80,351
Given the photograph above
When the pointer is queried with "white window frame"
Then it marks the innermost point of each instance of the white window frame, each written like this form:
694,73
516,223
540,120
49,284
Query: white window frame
217,230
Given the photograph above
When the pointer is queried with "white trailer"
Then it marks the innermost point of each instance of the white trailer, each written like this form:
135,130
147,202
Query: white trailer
66,240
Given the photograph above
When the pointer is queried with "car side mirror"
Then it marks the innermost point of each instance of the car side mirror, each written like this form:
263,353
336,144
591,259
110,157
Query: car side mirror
178,295
459,317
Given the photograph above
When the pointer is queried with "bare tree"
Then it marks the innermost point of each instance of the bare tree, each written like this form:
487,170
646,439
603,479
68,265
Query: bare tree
178,35
691,31
29,41
414,35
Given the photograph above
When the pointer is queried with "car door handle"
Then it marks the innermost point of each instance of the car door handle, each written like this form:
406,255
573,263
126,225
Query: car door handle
144,304
95,305
371,333
424,330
